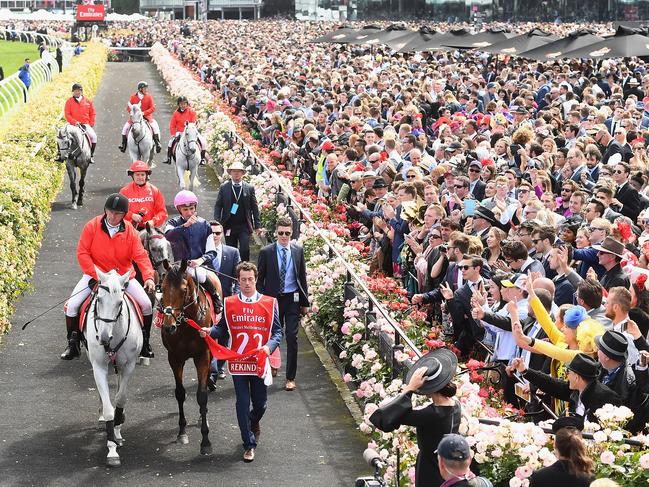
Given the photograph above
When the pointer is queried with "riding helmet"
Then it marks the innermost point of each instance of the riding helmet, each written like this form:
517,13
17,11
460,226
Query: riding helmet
185,197
182,99
139,166
142,84
77,86
117,202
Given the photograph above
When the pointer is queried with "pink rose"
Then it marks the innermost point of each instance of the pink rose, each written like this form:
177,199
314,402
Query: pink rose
523,472
357,337
347,378
345,329
607,457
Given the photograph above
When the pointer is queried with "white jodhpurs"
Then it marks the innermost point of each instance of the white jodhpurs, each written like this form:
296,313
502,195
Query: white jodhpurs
82,291
154,126
91,133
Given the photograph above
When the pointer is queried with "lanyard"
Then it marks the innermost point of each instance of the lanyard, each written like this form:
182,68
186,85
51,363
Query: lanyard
236,197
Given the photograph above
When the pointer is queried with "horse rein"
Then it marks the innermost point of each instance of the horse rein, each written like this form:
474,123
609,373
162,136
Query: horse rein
170,311
185,145
112,352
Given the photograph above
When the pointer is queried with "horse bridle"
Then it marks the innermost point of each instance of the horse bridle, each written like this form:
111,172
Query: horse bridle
186,145
170,311
155,263
71,142
137,142
112,352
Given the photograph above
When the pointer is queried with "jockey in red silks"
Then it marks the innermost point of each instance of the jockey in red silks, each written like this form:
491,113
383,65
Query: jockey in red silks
145,100
183,114
107,243
145,201
80,111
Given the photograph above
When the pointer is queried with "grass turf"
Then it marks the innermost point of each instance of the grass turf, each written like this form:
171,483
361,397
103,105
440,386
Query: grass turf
13,54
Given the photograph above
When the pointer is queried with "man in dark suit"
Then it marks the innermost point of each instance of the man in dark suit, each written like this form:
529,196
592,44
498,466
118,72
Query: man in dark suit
236,208
476,185
282,275
224,264
626,194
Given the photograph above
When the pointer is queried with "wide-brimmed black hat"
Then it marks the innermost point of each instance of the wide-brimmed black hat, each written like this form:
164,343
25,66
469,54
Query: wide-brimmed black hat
584,366
614,345
611,246
484,212
379,183
576,422
441,364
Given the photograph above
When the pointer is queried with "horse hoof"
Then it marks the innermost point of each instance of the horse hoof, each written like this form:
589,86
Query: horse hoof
73,206
206,450
119,442
183,439
146,361
113,462
102,420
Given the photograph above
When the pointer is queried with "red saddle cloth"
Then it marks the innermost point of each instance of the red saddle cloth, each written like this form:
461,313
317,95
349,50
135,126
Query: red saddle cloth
83,310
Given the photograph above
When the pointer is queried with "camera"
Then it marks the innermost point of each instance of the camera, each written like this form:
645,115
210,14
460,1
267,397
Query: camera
369,482
443,248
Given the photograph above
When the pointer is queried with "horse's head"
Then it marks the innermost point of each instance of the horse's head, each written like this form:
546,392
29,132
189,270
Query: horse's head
63,142
157,246
108,303
178,293
136,117
191,137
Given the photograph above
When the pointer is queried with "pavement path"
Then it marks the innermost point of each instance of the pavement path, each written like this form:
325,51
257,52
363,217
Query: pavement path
49,434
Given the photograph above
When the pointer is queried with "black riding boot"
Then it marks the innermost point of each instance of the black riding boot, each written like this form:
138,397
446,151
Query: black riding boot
72,350
92,152
169,156
146,334
216,298
156,140
124,143
203,160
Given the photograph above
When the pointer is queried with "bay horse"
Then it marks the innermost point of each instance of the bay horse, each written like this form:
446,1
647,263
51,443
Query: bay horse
183,299
74,149
113,334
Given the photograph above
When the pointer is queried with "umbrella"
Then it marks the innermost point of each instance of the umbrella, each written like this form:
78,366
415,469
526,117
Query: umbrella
424,34
557,49
393,31
361,35
481,39
436,42
521,43
339,35
625,43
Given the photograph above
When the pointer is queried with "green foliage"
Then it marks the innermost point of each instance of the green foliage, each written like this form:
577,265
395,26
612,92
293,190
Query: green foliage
28,183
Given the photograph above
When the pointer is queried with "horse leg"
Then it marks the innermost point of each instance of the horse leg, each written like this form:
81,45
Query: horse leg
101,379
82,183
180,171
192,175
72,176
177,366
121,398
202,371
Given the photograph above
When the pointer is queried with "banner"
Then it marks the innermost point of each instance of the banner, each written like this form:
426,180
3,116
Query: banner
91,13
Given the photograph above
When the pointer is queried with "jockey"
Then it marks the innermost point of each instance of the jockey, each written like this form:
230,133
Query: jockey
191,239
183,114
107,243
145,201
80,111
145,100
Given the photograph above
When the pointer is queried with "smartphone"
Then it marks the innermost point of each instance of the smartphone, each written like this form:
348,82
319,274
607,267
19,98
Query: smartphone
643,360
520,392
469,207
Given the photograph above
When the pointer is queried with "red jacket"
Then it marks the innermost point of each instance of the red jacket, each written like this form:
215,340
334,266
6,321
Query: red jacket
146,200
178,119
80,111
97,248
146,105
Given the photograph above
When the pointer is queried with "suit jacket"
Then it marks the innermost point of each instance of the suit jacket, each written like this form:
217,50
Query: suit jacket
247,204
230,259
460,309
630,199
478,190
268,272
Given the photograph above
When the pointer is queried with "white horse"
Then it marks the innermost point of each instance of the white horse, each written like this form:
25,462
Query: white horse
140,137
74,149
114,338
188,155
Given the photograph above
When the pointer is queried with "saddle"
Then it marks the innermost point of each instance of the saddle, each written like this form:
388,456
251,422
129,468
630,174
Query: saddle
174,144
83,310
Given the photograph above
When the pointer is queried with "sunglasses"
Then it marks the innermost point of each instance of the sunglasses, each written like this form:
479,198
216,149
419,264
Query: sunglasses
464,267
523,191
592,229
618,171
474,170
412,176
566,190
216,233
284,234
536,240
459,186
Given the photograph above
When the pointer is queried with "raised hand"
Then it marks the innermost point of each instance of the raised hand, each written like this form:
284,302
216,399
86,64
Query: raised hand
447,292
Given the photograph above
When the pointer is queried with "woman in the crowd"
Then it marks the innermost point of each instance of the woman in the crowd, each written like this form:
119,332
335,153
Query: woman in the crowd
493,252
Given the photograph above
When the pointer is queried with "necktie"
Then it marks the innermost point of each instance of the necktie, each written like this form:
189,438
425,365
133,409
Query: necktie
282,270
217,260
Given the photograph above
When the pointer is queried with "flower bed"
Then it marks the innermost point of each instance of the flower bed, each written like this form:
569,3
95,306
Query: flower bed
507,453
28,183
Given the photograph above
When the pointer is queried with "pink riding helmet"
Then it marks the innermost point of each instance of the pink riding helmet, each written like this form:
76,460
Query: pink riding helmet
185,197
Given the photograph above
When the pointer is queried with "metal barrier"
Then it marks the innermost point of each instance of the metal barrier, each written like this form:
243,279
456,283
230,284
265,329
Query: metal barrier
31,36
